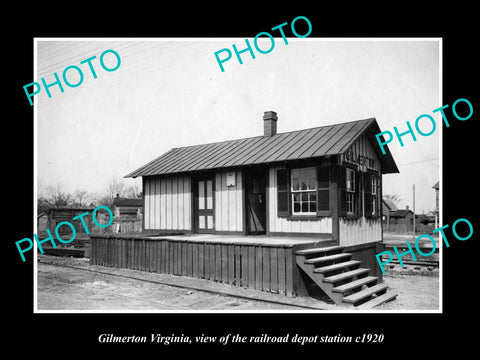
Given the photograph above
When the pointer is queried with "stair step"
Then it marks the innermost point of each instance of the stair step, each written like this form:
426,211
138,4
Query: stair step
354,284
328,258
338,266
318,250
355,297
345,275
378,300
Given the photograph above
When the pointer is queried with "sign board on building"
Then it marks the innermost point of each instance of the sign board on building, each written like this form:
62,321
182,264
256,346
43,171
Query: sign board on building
231,178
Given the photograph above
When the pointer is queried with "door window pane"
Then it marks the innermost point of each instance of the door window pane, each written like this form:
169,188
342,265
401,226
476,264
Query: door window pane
201,195
209,195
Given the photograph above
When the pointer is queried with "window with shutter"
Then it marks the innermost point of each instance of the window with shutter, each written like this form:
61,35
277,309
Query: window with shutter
350,190
283,206
304,191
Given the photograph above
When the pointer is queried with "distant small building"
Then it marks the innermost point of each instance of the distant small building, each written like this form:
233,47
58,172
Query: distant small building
388,207
128,213
424,219
402,216
42,222
59,214
56,215
397,220
437,212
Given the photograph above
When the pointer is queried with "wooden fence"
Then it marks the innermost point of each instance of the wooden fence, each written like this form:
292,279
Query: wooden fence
127,226
263,267
407,228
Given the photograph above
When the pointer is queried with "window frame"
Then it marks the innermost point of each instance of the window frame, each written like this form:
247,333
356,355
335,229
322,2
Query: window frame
375,211
356,193
351,193
293,192
374,182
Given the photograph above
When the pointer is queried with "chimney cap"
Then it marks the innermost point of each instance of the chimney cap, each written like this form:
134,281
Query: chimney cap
270,115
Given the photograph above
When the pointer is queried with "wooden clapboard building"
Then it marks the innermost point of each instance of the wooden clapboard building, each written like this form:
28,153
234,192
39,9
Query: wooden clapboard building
281,212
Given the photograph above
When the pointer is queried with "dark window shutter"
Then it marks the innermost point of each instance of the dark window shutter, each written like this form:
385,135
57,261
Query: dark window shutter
367,194
379,197
283,193
358,193
343,190
323,191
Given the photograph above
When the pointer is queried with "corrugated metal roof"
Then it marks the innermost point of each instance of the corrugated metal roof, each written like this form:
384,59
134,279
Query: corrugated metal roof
300,144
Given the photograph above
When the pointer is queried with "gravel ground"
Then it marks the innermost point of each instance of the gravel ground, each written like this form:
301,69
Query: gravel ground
72,289
415,291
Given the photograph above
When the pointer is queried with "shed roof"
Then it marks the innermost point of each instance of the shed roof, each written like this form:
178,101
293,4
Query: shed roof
401,213
71,208
301,144
118,201
390,204
128,210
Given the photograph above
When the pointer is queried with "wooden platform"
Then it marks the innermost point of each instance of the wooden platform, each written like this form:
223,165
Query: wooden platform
258,262
261,240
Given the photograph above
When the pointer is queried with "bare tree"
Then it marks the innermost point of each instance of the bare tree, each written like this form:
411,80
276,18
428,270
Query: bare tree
56,196
42,204
133,191
115,186
52,196
81,197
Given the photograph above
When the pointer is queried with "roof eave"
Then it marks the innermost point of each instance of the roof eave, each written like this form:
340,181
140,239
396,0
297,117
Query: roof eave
388,163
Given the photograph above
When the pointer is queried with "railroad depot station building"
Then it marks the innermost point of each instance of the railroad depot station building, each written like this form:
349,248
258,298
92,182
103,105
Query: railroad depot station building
289,213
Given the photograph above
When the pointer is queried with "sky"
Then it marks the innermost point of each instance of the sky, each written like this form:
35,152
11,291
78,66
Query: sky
171,92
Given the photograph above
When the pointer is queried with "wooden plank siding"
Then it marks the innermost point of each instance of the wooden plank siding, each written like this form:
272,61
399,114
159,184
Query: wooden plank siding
168,203
262,267
360,231
282,225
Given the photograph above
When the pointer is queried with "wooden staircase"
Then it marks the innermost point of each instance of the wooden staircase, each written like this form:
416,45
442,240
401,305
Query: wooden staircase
342,278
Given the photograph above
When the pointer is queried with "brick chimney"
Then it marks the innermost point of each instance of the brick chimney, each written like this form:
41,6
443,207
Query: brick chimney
269,123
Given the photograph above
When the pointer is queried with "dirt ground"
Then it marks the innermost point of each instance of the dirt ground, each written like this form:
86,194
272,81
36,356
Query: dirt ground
70,289
61,288
415,292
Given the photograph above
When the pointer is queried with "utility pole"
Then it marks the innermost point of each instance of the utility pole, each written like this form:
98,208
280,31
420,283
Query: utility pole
414,211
